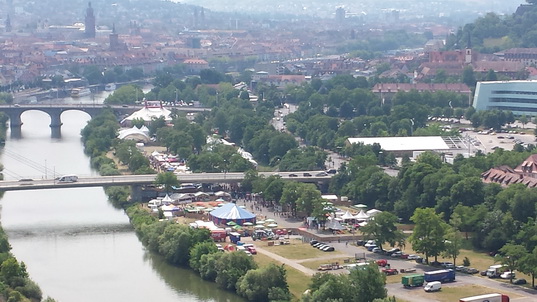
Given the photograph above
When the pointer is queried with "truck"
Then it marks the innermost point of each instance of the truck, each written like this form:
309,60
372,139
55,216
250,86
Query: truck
486,298
494,271
443,275
68,178
412,280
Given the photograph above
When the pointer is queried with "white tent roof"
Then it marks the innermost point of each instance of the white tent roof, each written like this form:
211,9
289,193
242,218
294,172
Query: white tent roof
334,225
362,215
134,134
347,215
150,111
373,212
231,211
167,199
329,197
407,143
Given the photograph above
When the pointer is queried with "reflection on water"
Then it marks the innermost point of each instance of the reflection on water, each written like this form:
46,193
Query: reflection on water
76,245
187,281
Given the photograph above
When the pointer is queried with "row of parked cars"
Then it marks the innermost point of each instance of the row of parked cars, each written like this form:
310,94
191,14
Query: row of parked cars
322,246
371,246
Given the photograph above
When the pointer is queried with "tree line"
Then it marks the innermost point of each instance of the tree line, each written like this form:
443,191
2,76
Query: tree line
185,246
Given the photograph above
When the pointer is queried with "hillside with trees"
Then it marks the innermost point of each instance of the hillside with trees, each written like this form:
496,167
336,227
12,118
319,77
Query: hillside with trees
492,33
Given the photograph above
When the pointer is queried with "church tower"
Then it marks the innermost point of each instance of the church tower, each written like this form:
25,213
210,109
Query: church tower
8,24
114,39
90,22
468,51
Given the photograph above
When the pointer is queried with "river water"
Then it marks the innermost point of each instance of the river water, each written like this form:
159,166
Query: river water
76,246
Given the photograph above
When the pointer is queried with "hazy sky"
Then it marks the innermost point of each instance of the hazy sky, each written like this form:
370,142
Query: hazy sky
320,7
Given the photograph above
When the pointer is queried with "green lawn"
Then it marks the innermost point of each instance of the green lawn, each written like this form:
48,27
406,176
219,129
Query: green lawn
298,250
298,282
454,293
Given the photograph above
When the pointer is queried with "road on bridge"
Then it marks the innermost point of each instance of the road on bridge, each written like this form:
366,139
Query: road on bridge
124,180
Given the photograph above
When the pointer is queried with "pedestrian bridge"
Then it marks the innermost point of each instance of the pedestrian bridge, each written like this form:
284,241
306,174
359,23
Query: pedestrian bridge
55,111
137,181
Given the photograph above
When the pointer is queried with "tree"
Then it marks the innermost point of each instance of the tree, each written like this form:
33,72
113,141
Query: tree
207,268
511,255
264,284
368,283
230,267
429,233
383,228
453,245
523,120
198,250
528,265
168,180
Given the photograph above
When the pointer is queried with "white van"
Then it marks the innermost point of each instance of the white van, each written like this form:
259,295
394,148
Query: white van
68,178
433,286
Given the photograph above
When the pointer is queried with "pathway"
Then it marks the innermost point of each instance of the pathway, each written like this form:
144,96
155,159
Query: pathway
289,262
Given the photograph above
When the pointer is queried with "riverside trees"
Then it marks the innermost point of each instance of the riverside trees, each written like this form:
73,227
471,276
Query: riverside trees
181,245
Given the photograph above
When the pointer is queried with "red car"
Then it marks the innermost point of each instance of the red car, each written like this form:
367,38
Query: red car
390,271
382,262
250,248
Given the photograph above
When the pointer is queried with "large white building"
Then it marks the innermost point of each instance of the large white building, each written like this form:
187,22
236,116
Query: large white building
404,145
519,97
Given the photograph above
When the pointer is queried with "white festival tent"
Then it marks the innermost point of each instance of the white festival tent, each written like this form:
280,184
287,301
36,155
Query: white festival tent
347,216
373,212
361,216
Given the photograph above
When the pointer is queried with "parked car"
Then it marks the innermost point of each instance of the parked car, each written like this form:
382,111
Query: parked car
413,257
328,249
360,242
382,262
313,242
447,265
390,271
397,254
471,270
370,248
391,251
331,171
460,268
370,243
507,275
520,281
377,250
251,248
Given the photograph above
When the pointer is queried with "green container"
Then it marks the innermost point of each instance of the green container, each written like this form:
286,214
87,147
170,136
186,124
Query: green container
412,280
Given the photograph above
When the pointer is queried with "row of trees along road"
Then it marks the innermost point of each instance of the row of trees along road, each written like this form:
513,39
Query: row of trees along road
453,205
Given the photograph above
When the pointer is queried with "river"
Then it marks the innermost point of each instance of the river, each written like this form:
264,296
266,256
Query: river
76,246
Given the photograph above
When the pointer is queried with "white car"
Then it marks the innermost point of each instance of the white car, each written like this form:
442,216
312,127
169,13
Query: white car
370,243
413,257
507,275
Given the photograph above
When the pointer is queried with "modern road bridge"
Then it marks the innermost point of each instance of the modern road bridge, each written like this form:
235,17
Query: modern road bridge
55,111
137,181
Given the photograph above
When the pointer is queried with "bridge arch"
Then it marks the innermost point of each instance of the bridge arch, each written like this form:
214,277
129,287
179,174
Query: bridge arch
16,117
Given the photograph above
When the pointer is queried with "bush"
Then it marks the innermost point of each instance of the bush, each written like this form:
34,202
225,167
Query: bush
466,261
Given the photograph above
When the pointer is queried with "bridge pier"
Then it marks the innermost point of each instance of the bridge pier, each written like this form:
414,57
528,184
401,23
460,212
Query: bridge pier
56,131
55,123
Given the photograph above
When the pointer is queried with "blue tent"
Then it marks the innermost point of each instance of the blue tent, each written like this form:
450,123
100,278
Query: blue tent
231,212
